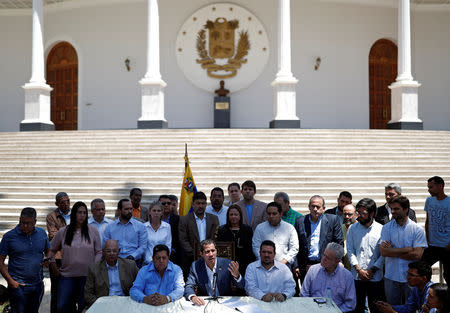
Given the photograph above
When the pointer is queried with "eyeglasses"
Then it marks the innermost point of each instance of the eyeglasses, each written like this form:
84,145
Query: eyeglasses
412,275
111,251
165,203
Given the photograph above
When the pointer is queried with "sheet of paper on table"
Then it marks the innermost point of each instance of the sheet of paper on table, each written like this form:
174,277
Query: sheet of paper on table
239,306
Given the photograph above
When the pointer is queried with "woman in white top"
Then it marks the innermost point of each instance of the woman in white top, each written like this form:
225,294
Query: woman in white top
159,232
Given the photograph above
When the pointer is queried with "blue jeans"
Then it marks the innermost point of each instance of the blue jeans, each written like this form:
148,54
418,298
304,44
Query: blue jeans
70,292
396,292
26,299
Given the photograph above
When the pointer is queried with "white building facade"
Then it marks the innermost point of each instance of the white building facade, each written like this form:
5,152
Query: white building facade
312,64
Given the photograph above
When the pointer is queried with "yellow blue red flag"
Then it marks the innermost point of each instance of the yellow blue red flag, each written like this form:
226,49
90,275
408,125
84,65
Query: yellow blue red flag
188,188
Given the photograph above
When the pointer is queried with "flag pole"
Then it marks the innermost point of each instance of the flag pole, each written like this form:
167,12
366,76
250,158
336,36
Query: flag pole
185,155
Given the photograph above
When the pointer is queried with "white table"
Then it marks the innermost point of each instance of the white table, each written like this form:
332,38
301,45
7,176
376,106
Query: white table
126,304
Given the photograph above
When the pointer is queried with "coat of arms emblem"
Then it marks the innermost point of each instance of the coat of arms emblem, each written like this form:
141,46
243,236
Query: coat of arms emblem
221,44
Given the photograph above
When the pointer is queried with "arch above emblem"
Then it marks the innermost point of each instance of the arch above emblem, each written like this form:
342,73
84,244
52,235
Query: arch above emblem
222,41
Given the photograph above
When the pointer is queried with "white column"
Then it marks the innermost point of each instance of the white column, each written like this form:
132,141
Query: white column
152,85
404,41
284,83
37,92
404,91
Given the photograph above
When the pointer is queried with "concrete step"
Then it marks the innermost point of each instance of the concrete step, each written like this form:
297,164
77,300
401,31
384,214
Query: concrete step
34,166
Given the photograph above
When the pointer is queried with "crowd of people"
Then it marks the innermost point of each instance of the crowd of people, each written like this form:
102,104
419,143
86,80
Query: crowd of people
361,256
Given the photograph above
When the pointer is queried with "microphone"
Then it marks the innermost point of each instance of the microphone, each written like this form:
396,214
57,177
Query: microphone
214,287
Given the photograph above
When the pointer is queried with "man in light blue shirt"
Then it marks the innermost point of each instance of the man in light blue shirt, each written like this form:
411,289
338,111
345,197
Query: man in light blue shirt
437,226
267,279
402,241
160,282
329,274
128,232
216,207
98,218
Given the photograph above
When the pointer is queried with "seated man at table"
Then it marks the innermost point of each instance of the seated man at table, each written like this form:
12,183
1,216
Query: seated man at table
112,276
268,279
329,273
211,276
160,282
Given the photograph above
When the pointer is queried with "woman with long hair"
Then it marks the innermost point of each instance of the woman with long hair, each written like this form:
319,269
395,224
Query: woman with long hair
242,234
159,232
81,245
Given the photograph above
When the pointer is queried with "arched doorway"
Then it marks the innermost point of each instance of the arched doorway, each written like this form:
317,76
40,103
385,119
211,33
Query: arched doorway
62,75
382,73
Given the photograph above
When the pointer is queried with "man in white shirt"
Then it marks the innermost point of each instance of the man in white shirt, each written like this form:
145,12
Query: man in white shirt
363,251
216,207
281,233
98,218
267,279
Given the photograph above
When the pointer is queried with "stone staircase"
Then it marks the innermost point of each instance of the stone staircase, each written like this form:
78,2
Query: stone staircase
34,166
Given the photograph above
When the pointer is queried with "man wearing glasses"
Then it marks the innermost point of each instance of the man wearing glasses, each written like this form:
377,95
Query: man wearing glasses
113,276
419,279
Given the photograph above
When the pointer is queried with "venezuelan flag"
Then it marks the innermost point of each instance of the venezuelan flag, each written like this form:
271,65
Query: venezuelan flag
188,188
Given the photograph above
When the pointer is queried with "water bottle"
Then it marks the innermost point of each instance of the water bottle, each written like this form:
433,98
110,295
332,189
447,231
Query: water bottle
329,297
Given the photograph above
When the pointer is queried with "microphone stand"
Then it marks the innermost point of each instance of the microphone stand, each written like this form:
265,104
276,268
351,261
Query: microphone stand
214,294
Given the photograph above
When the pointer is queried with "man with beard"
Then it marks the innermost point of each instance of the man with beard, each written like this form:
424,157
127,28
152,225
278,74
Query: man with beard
211,276
267,279
363,252
216,207
128,232
402,241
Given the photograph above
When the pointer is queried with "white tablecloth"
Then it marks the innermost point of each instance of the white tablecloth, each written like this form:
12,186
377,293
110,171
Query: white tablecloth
249,305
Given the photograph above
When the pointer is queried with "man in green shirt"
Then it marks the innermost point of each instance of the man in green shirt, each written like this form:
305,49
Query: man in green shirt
289,215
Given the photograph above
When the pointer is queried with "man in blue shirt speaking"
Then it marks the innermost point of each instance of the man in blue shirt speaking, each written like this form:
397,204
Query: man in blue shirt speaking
160,282
25,245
